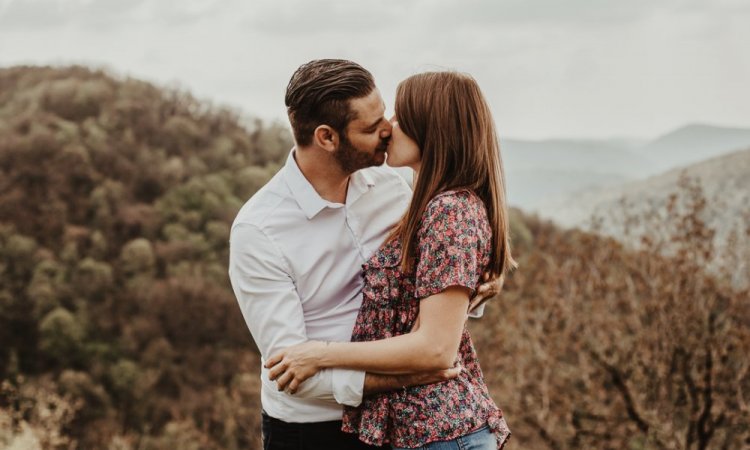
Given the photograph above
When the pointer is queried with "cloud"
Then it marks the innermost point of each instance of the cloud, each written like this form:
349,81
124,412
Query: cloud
549,68
576,15
519,12
304,17
100,15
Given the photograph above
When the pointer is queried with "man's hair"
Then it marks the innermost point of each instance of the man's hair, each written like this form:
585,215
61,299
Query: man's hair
319,93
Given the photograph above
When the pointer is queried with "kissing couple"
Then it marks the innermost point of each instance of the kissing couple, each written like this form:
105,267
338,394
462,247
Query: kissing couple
356,288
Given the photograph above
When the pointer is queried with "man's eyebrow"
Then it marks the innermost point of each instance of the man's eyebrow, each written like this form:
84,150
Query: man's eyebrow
375,124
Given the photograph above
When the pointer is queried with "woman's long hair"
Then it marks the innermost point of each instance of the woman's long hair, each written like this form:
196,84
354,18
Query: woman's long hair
447,116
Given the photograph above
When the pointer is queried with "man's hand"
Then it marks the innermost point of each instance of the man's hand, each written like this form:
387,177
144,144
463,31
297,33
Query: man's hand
377,383
439,376
488,290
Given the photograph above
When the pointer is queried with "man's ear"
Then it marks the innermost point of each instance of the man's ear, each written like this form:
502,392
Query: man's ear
326,138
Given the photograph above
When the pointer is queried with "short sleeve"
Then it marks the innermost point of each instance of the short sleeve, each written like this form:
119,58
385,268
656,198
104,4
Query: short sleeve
452,242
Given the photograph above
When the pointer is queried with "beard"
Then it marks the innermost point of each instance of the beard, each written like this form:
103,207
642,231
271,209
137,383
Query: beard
352,159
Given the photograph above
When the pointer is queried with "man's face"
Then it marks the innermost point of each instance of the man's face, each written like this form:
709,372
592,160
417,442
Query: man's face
365,140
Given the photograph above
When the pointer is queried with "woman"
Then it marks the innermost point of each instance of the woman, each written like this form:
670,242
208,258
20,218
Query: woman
418,285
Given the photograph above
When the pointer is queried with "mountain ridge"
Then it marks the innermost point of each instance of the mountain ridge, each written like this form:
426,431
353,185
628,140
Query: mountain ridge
538,170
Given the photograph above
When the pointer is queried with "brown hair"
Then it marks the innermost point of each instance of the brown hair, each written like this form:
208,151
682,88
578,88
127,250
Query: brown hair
447,116
319,92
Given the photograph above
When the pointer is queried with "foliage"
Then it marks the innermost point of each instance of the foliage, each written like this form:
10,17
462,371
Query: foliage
595,345
116,198
118,328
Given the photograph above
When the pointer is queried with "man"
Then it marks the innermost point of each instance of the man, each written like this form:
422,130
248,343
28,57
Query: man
298,245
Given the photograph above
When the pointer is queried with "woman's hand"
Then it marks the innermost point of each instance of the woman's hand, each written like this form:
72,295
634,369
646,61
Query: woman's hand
295,364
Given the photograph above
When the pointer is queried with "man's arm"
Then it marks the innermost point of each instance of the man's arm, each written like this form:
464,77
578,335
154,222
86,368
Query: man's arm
376,383
273,312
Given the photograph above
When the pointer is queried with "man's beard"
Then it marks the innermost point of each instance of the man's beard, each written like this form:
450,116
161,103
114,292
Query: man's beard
352,159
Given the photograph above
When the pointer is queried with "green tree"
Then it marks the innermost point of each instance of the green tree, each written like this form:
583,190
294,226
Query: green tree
61,337
137,258
93,278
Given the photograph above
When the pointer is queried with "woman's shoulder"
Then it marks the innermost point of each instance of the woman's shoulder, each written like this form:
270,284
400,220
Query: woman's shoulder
453,202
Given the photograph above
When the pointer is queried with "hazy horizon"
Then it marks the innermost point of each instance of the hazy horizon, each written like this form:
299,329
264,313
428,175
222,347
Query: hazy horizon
583,70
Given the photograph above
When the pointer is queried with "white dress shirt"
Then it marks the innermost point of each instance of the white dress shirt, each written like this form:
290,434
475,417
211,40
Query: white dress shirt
295,265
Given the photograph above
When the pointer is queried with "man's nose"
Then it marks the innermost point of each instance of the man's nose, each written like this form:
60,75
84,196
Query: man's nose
385,133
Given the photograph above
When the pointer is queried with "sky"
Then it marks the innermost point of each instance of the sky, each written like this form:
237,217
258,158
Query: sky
549,68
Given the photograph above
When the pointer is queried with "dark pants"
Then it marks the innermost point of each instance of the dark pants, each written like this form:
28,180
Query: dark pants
279,435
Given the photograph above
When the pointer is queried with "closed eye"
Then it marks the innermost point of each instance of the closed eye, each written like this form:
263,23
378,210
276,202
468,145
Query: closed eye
373,127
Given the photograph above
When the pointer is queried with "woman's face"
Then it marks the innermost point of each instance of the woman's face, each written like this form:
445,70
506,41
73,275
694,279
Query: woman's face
402,150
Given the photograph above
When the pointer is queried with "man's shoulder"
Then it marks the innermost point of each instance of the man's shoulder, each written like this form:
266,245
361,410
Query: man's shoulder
261,205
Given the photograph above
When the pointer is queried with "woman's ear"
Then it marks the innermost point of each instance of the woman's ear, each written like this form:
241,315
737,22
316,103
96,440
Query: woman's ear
326,138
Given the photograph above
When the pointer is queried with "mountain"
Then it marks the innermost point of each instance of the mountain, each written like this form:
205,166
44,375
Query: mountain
583,155
720,185
529,188
725,178
540,173
690,144
536,170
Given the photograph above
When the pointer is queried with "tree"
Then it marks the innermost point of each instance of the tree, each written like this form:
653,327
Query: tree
596,345
137,258
61,337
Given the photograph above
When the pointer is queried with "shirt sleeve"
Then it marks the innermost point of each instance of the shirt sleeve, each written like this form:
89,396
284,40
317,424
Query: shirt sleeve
449,241
478,313
273,312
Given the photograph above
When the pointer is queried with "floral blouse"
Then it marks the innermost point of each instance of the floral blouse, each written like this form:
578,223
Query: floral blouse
454,242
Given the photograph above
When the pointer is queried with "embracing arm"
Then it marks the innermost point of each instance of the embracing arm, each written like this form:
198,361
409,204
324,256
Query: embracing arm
453,252
433,346
273,311
376,383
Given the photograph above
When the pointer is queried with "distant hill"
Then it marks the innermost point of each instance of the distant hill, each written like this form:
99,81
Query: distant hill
530,188
537,169
724,181
726,178
539,172
585,155
691,144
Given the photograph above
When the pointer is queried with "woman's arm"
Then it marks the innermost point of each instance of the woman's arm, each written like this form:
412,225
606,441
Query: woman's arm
452,241
433,346
486,291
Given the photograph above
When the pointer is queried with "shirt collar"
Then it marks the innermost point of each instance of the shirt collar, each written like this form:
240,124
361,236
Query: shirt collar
308,198
359,183
302,191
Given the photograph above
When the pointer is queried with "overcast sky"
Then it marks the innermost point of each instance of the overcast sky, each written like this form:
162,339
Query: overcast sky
550,68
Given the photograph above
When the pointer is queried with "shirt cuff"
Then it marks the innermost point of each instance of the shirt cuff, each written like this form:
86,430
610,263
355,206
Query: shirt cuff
348,386
479,312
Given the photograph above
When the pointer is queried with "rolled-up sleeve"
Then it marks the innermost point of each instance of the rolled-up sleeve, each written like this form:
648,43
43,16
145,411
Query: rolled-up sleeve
265,290
348,386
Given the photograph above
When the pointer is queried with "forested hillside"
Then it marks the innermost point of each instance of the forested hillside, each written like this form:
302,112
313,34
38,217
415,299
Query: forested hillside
116,198
119,330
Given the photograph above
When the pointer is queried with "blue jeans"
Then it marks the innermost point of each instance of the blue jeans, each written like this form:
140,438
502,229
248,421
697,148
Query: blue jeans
481,439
